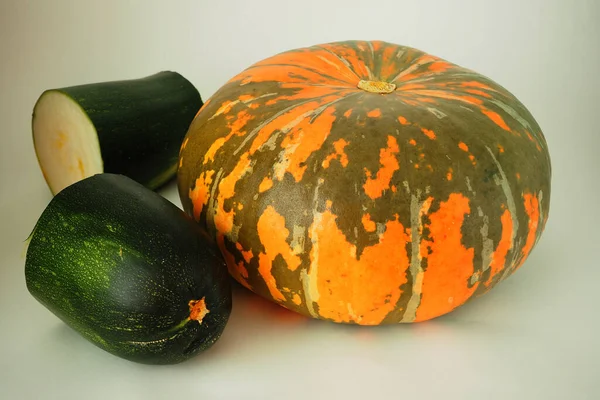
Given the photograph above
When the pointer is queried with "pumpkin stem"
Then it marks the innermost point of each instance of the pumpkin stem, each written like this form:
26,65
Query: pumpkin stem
198,310
376,86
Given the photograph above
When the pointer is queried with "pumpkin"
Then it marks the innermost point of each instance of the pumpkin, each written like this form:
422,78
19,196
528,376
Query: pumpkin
366,182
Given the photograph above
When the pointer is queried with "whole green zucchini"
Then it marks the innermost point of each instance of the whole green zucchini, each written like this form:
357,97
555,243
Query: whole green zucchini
129,271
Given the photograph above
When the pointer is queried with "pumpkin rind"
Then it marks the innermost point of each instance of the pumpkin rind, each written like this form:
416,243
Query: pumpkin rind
367,207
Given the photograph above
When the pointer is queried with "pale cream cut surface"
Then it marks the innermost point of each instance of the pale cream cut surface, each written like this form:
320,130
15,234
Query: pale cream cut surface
66,141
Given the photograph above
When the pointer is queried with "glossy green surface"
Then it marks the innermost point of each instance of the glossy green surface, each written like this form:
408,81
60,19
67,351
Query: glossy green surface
120,264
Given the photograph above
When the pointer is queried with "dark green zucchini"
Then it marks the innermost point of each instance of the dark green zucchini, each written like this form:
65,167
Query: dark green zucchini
129,271
130,127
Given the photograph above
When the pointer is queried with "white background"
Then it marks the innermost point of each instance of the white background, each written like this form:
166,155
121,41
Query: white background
536,336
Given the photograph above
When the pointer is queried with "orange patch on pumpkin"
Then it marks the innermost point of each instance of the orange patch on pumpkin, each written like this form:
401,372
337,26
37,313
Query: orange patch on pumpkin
283,73
199,195
478,92
463,146
477,85
338,154
532,208
449,96
225,107
246,97
289,118
212,150
242,118
361,290
368,224
449,264
237,270
376,113
224,219
265,185
243,271
296,299
374,187
412,142
317,59
426,100
352,56
403,120
412,103
302,91
529,136
185,142
440,66
407,77
302,141
429,133
496,118
247,254
273,236
389,67
411,86
378,44
348,113
499,257
235,128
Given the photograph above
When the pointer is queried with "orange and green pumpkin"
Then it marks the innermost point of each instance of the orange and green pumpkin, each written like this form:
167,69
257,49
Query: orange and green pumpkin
366,182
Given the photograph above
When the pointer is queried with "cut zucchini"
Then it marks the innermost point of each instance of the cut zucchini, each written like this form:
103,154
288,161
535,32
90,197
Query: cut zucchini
130,127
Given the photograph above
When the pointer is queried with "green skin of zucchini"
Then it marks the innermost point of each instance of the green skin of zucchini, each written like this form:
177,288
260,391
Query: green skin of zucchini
119,264
140,123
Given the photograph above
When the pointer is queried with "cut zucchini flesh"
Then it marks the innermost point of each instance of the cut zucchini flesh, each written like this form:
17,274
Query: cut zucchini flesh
66,141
